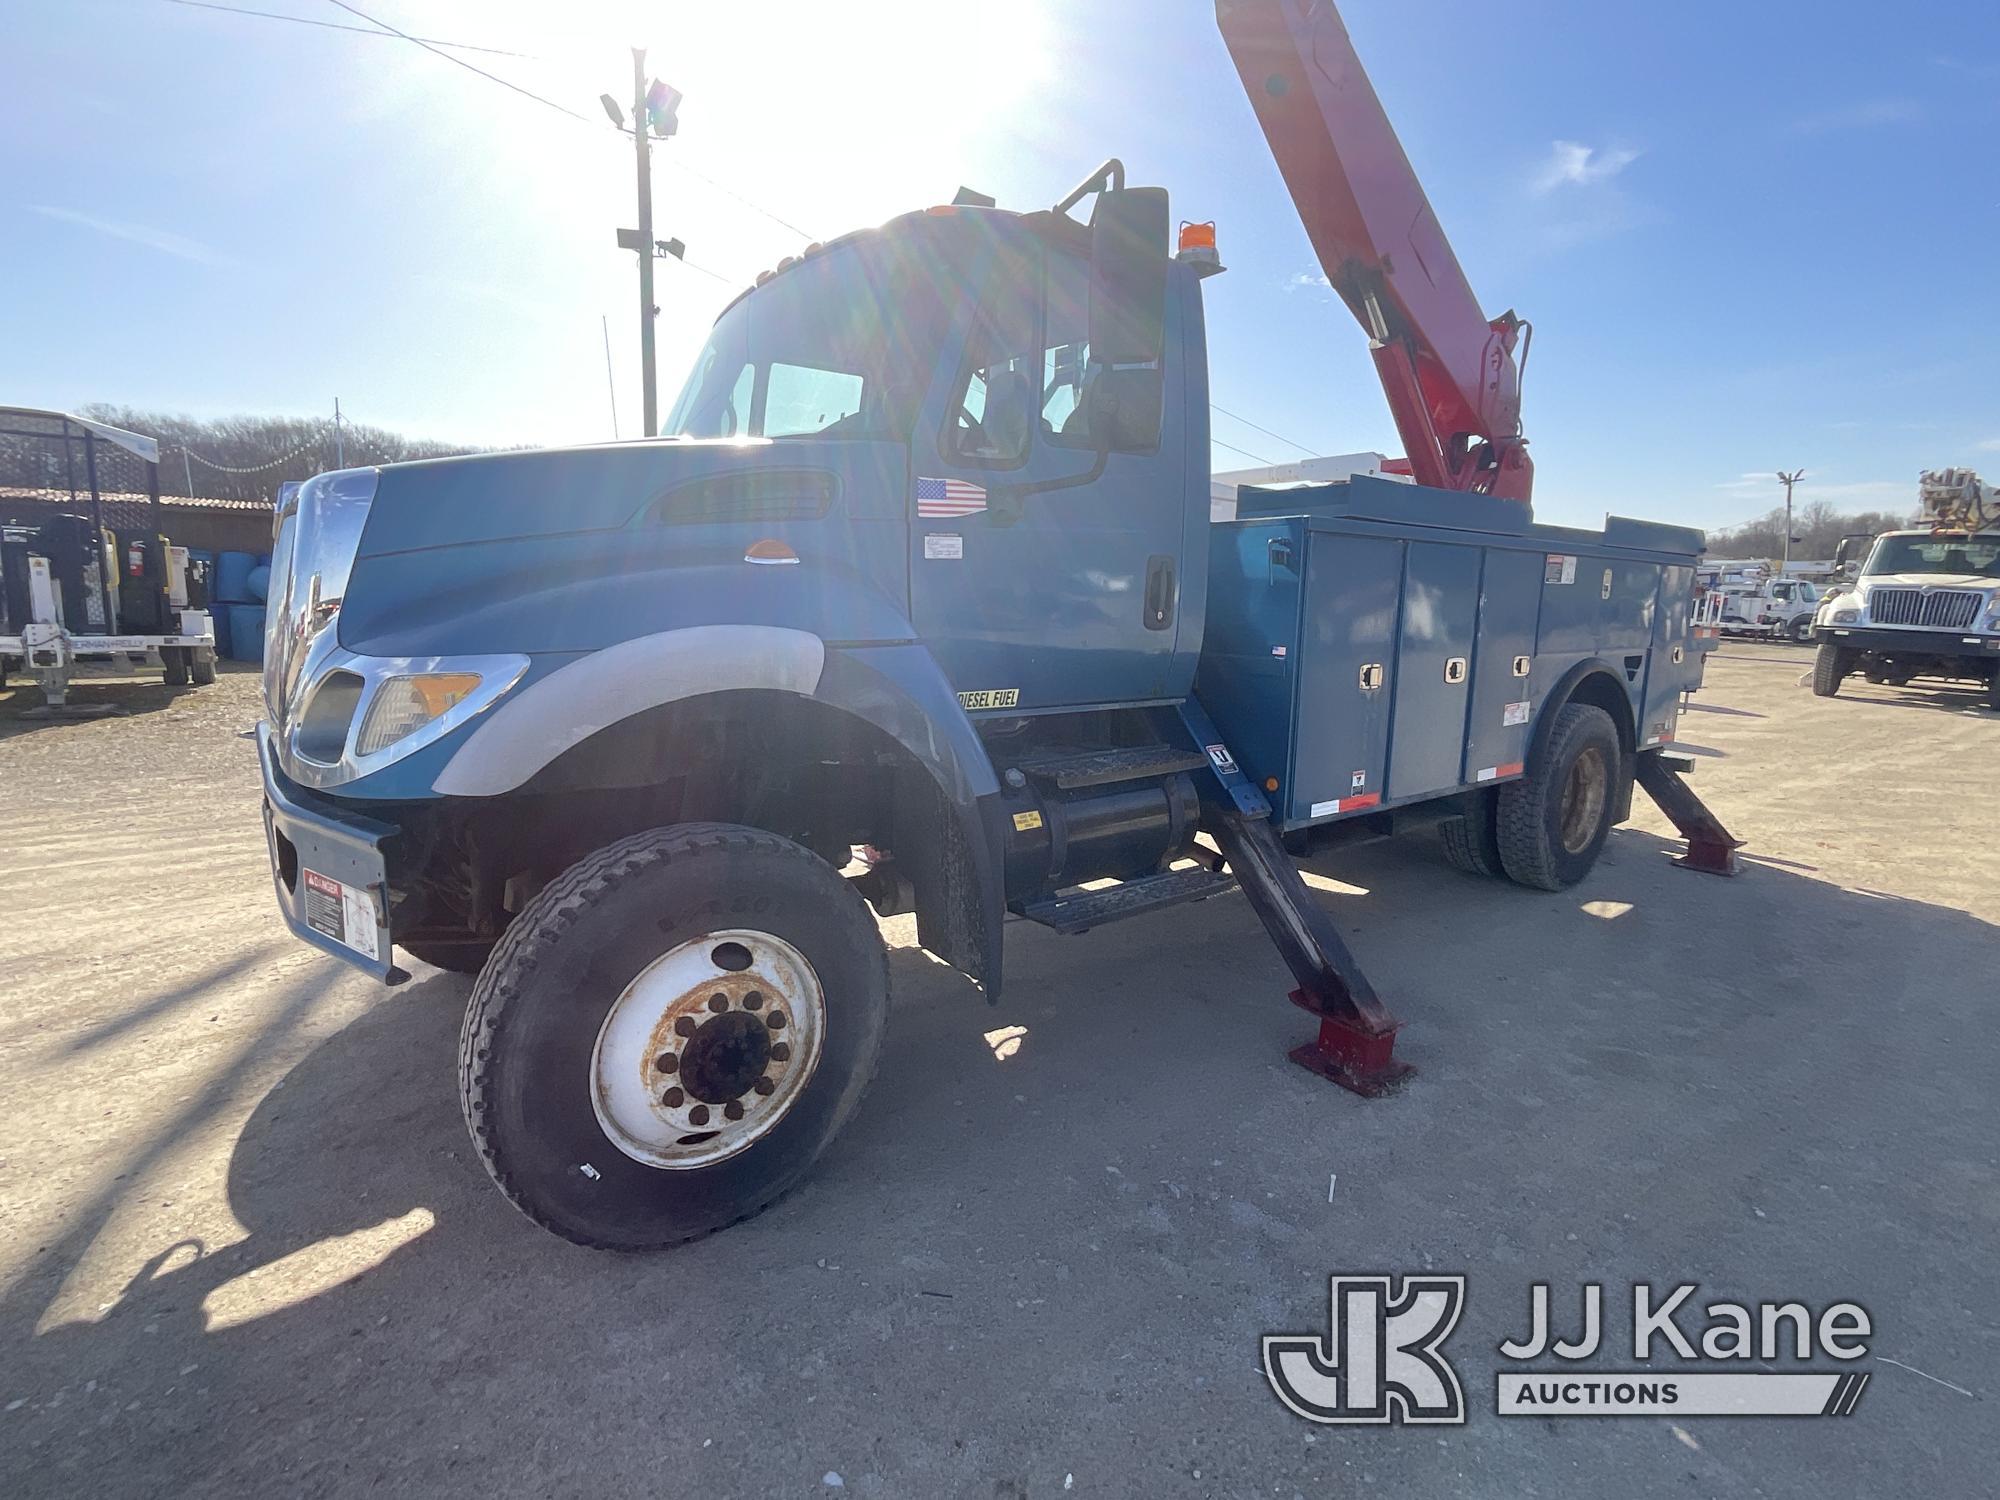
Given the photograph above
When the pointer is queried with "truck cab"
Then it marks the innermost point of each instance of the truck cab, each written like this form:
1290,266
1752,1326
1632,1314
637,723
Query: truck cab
1926,603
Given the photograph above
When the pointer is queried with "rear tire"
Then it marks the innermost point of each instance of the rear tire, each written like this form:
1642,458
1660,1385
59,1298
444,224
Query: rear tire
1552,824
1472,842
174,660
613,1100
1829,666
201,665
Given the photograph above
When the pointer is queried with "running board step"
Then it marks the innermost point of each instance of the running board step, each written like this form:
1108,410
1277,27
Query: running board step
1069,770
1082,910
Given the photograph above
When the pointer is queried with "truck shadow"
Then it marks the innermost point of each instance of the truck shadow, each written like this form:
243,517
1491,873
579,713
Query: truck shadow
387,1318
97,697
1964,702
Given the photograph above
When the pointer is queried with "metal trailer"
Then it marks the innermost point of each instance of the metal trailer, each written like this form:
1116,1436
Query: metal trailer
129,601
927,576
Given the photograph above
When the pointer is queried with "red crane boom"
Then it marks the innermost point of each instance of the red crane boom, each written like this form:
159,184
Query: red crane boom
1448,371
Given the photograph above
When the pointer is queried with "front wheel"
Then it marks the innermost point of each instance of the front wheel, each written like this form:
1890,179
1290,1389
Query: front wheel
671,1033
1553,823
1829,666
1802,630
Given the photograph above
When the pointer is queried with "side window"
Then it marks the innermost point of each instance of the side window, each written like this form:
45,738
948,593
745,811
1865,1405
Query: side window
800,401
993,409
1066,353
1086,405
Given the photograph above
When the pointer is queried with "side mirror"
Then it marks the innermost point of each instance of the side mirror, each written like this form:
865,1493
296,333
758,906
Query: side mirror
1128,276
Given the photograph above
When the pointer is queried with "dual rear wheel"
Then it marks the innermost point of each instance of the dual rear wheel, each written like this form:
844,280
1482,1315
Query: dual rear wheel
1547,829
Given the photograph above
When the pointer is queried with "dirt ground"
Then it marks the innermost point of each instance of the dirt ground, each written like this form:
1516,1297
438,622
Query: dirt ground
244,1248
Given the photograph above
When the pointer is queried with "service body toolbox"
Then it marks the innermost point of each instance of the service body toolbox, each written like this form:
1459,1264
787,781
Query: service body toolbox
1371,643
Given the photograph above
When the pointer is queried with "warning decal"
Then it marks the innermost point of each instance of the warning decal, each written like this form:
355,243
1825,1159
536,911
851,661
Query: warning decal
341,912
1558,568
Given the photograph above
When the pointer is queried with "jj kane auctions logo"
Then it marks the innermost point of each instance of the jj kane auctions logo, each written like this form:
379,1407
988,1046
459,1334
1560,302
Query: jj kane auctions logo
1382,1358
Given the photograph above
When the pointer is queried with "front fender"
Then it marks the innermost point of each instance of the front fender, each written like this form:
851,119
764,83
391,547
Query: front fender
898,688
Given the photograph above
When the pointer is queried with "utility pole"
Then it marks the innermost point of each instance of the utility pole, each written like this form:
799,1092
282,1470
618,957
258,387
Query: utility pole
1788,480
641,141
653,118
339,448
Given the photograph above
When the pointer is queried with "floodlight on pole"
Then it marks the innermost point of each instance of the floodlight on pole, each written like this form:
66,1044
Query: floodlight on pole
611,108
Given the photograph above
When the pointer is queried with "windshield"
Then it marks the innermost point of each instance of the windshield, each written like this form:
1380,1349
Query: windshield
836,347
1935,554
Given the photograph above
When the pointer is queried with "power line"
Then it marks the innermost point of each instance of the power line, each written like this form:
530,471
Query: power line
1218,442
731,192
563,109
1265,430
271,15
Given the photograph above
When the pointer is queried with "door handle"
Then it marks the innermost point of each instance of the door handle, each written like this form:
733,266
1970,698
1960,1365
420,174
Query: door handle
1159,601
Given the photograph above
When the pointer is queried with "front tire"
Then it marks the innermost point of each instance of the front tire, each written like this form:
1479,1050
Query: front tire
201,665
1829,666
1553,823
1802,630
671,1033
174,662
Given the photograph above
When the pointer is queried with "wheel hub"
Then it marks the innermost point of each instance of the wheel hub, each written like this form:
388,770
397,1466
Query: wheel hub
707,1049
1584,792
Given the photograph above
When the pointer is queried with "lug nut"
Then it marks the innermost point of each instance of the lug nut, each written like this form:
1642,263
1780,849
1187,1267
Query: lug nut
666,1062
718,1003
698,1115
779,1052
775,1020
733,1109
763,1085
673,1098
685,1026
754,1000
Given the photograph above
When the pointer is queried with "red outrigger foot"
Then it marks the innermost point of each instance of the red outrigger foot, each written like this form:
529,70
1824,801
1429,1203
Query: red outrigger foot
1710,849
1361,1062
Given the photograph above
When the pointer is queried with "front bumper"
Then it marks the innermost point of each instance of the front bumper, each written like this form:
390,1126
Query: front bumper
1899,642
328,870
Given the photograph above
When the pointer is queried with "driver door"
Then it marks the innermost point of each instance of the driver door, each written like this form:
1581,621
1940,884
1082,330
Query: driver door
1042,576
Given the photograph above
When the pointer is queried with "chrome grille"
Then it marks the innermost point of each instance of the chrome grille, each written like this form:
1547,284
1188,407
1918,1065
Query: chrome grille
1938,609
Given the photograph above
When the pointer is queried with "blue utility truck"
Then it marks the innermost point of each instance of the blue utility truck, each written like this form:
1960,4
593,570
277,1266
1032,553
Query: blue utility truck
917,604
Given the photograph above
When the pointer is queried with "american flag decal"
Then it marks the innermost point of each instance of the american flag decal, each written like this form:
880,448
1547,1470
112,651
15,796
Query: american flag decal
943,498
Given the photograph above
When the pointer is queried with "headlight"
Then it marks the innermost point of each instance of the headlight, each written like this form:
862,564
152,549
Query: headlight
1993,614
1846,616
405,704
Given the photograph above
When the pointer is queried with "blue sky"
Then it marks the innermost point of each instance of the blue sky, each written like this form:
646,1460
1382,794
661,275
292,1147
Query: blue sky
1750,236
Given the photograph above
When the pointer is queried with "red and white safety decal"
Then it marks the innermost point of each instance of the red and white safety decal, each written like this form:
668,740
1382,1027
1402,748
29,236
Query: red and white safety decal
345,913
1494,773
1346,804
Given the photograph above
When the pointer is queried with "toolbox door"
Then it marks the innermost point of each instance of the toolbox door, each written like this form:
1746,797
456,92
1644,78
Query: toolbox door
1510,600
1433,669
1346,675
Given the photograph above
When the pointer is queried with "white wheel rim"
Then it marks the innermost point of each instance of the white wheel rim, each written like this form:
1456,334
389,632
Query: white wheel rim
708,1048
